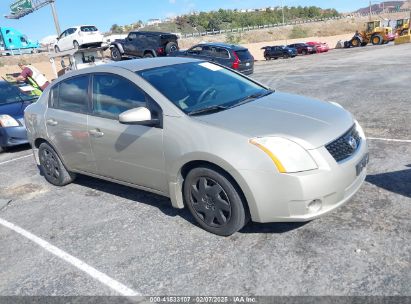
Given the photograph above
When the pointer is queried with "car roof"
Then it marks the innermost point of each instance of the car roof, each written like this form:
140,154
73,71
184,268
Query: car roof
224,45
153,33
149,63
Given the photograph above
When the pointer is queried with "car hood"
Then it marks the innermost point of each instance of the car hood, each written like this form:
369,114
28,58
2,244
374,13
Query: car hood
311,123
15,109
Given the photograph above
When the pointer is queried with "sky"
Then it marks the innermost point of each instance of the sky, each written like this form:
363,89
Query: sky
75,12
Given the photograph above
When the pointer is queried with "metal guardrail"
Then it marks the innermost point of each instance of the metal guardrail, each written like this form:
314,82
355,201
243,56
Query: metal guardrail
275,25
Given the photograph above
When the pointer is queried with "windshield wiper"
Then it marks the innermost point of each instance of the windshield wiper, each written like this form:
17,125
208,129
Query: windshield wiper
208,110
251,97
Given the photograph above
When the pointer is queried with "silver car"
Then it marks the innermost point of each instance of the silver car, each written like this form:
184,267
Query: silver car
212,140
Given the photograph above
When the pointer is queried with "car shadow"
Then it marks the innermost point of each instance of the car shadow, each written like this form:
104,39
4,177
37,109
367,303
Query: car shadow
164,205
17,149
397,182
139,196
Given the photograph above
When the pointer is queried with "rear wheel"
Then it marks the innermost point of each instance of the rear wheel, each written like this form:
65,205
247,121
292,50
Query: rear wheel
115,54
214,201
267,57
304,52
286,56
376,39
52,167
171,47
148,55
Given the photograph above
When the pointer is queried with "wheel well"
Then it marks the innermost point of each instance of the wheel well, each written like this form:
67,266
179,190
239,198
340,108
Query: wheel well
149,52
39,141
199,163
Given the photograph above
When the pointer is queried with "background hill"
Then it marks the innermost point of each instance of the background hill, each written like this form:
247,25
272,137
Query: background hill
388,5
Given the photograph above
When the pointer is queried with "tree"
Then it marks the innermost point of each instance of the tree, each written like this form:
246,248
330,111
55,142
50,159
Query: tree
116,29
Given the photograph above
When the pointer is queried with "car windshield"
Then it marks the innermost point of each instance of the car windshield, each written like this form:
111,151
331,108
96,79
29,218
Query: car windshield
11,94
197,86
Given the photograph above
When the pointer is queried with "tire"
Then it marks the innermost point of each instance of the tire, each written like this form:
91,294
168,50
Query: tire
76,45
115,54
304,52
148,55
52,167
267,58
355,42
363,44
56,49
214,201
2,149
346,44
377,39
171,47
286,56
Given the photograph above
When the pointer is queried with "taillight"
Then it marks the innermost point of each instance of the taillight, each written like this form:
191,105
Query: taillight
160,51
236,63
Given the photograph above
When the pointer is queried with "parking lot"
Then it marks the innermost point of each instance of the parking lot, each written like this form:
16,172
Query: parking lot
136,239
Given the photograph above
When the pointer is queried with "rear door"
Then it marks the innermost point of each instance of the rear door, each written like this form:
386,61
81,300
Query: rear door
223,57
66,119
128,153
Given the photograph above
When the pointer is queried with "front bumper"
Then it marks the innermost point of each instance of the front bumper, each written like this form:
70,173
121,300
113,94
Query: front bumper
13,136
304,196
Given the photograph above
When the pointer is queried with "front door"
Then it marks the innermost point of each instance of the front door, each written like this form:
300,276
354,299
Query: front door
66,120
129,153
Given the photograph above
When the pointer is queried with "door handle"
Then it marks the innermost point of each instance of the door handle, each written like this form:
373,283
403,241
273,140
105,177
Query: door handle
96,133
52,122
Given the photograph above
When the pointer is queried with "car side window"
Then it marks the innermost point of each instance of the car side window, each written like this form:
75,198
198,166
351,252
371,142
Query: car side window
132,36
195,50
222,53
113,95
71,31
207,51
72,95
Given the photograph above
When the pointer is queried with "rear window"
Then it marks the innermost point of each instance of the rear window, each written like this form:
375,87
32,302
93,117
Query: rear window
88,29
243,55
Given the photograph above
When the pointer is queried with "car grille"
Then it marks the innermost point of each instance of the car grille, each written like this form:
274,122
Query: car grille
345,146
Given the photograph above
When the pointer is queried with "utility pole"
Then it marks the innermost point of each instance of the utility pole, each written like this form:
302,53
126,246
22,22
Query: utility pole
55,17
370,11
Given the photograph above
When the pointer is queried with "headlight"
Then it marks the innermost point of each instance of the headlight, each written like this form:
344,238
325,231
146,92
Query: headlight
359,130
288,156
8,121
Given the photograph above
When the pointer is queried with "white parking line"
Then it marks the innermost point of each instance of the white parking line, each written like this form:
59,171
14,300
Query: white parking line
12,160
390,139
103,278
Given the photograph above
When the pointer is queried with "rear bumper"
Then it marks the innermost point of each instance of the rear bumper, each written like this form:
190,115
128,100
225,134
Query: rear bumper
13,136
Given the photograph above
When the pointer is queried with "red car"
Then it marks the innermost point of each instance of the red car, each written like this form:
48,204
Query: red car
319,46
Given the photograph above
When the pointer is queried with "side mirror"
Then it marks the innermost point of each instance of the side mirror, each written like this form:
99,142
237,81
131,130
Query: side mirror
63,64
138,116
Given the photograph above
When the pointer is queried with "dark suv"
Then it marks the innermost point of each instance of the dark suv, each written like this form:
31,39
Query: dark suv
275,52
144,44
232,56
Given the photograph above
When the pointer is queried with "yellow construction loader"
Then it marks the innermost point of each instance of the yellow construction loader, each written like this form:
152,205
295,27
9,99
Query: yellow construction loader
374,33
402,27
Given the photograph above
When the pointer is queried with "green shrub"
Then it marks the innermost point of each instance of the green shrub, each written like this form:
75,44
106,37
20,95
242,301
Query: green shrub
233,38
298,32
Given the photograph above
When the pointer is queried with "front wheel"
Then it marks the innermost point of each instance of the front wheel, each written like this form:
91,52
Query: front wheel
148,55
214,201
56,49
76,45
376,39
115,54
52,167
